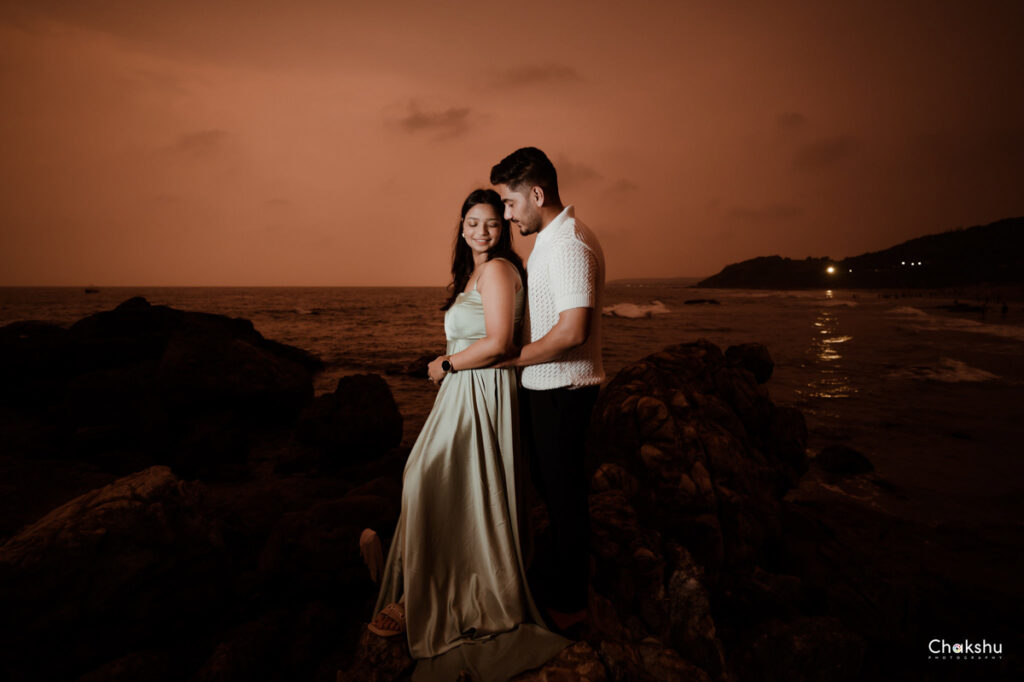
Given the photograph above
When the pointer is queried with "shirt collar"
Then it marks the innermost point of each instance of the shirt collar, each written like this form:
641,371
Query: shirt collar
549,230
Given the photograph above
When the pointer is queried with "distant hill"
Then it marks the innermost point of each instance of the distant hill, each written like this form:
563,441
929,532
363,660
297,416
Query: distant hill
991,253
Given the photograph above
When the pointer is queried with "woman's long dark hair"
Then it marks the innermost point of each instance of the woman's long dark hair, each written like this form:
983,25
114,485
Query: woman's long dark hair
462,255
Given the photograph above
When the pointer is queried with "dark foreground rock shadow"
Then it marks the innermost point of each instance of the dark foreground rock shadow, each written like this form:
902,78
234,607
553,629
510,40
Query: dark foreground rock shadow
181,507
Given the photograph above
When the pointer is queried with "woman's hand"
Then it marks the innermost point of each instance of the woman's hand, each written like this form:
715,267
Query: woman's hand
434,370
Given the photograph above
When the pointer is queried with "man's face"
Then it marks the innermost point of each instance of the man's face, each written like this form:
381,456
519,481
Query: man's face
521,208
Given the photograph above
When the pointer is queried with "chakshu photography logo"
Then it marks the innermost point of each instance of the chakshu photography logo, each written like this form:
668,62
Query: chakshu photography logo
964,650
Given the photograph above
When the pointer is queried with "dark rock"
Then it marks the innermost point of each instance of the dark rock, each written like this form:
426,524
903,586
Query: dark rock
692,631
577,662
610,476
759,596
152,665
704,441
622,661
203,372
388,487
120,388
360,420
249,651
30,488
248,512
754,358
315,552
842,459
661,663
110,572
814,648
33,363
111,410
320,640
378,659
629,567
603,622
212,447
895,582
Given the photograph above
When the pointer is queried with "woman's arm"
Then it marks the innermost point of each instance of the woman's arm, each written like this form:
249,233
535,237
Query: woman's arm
497,287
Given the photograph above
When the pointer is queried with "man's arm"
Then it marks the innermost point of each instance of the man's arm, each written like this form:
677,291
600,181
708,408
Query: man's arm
571,330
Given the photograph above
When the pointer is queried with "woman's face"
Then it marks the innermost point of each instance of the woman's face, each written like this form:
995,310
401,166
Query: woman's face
481,228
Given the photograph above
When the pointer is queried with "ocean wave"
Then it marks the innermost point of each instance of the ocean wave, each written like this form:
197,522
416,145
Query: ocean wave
837,339
948,370
729,293
928,322
633,310
833,303
907,310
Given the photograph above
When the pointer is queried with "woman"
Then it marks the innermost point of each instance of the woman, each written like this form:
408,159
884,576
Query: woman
454,580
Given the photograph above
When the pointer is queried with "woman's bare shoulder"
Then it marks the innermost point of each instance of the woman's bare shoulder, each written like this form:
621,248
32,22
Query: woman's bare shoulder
500,268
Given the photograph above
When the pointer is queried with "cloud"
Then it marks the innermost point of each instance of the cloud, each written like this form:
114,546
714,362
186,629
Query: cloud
573,174
825,152
535,74
450,122
768,213
202,143
623,186
791,121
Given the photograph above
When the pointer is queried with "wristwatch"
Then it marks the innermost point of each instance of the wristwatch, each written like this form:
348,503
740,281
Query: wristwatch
446,365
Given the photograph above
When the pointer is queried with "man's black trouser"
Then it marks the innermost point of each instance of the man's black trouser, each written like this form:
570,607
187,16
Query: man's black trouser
554,426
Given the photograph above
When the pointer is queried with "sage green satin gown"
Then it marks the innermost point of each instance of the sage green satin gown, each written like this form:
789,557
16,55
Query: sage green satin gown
456,554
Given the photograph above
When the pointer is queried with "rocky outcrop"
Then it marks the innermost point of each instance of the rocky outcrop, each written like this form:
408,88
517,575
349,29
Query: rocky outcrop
843,460
111,570
711,453
356,422
142,384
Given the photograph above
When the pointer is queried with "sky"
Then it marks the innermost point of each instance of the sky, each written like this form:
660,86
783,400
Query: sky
331,143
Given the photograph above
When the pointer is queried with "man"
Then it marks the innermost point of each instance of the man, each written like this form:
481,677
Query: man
562,369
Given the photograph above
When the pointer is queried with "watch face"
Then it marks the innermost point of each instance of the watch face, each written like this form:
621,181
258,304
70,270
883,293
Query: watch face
446,366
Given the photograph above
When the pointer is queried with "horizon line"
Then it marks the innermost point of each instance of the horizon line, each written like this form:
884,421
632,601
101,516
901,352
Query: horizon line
293,286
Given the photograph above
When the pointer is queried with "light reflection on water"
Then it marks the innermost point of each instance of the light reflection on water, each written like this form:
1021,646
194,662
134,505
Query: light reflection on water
831,380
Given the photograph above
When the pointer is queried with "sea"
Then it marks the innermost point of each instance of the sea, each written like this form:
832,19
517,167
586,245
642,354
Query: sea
933,397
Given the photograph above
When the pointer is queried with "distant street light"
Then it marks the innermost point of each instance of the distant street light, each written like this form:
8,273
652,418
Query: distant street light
831,269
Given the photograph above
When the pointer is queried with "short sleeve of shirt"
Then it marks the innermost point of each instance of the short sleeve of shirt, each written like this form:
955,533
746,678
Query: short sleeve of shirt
573,275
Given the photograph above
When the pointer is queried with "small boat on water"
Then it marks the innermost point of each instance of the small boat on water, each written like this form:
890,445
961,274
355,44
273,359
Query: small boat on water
92,290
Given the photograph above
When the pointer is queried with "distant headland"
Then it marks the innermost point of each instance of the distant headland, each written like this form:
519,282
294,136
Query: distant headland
984,254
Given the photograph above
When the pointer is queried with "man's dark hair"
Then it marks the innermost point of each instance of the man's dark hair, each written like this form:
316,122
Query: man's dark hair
527,167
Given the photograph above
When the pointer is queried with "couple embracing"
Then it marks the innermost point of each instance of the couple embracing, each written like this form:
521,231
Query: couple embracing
455,579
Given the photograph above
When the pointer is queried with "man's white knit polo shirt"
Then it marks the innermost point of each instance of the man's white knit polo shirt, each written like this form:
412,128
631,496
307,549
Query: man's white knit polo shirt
565,271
